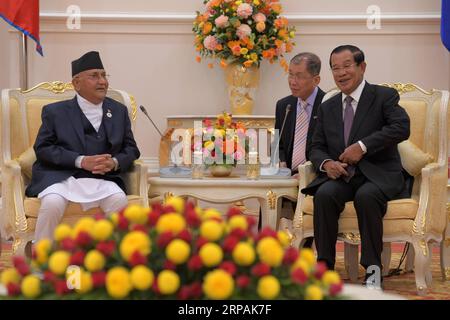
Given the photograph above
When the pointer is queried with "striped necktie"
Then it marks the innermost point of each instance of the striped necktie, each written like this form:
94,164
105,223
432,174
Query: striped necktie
349,114
301,132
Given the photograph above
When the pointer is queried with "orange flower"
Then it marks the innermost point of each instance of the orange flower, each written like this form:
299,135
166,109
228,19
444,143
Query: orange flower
199,47
207,27
278,43
210,65
289,47
219,47
236,50
198,59
223,63
281,23
276,7
232,44
283,34
248,63
269,54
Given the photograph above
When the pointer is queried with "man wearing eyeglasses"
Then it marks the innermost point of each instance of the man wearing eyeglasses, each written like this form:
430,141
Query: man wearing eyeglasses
298,112
354,151
83,148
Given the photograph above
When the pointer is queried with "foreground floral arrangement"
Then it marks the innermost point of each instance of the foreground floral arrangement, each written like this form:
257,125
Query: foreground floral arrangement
174,251
243,31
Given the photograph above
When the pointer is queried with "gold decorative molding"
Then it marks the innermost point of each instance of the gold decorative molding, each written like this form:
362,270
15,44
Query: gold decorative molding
447,242
405,87
257,123
167,195
55,87
174,123
350,236
271,200
423,245
133,108
447,273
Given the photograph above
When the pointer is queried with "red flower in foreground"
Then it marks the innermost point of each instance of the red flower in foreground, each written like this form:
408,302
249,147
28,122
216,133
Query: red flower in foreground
260,269
184,293
243,281
320,269
195,263
61,287
68,244
196,290
107,248
229,267
137,258
98,279
234,211
229,243
335,289
164,239
83,239
77,258
299,276
290,255
13,289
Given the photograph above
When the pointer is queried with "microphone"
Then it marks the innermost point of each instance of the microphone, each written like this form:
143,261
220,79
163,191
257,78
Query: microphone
288,109
167,171
146,113
275,169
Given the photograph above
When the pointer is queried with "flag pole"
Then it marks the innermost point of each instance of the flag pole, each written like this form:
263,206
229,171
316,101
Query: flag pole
24,63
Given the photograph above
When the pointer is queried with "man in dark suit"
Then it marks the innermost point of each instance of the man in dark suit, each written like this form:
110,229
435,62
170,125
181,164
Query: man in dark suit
83,148
354,151
298,112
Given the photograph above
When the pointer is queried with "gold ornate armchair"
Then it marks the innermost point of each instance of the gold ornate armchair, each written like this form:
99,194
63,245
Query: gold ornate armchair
419,220
21,119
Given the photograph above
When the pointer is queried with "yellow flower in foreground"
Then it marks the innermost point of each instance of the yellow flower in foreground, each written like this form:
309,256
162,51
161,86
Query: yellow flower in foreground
135,241
211,213
178,251
331,277
10,275
31,286
211,254
102,230
115,218
94,261
62,231
283,237
211,230
268,287
308,255
142,277
136,214
238,222
85,224
168,282
171,222
42,249
177,203
302,264
218,284
313,292
118,282
270,251
86,284
243,254
58,262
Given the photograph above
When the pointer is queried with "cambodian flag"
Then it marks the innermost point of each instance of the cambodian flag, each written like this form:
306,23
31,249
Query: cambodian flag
24,16
445,24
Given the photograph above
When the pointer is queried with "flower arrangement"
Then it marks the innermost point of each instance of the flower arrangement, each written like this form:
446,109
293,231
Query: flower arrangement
243,31
224,141
170,251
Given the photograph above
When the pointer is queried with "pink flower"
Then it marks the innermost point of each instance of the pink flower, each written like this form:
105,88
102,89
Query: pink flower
243,31
221,21
210,43
260,26
281,50
259,17
244,10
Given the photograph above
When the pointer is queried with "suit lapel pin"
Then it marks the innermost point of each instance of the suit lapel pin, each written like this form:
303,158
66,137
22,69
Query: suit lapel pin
109,114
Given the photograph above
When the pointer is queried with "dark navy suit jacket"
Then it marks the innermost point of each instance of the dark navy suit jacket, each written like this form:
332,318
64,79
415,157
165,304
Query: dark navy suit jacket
61,140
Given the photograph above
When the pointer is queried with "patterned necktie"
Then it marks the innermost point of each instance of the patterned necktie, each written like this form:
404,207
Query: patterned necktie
348,118
301,132
349,114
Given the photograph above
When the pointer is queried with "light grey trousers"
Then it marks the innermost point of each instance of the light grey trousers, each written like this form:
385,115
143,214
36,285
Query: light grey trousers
53,207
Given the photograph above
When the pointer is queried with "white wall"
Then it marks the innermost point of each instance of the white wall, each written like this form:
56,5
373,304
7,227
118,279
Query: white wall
151,55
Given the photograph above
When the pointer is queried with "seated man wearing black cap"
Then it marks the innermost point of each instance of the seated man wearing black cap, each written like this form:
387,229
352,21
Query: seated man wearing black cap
83,147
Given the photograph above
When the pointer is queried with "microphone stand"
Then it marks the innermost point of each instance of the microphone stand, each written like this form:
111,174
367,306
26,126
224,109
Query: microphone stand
175,169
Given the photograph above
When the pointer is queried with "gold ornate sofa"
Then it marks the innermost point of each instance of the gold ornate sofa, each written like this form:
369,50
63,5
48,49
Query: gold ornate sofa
419,220
21,119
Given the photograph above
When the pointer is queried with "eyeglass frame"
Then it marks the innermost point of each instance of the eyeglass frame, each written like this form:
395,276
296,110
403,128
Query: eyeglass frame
97,76
297,78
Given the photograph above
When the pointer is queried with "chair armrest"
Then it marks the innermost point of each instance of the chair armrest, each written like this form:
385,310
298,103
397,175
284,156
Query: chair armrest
431,215
12,218
136,181
306,175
